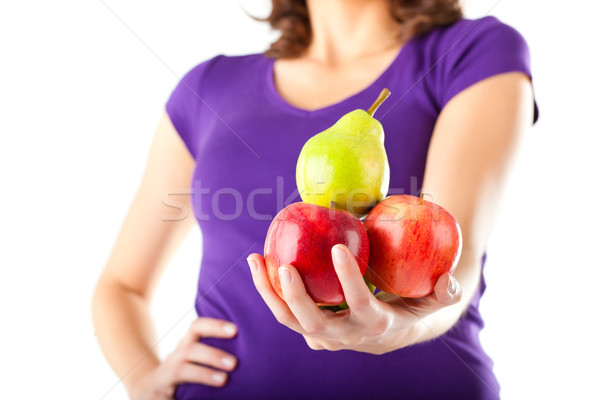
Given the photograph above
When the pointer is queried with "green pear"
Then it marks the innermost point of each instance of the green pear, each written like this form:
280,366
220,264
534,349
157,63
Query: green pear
346,166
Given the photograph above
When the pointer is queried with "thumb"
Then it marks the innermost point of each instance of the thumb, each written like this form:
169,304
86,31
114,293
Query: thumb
447,290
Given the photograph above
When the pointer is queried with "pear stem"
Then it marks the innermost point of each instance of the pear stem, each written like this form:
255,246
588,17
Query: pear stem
382,96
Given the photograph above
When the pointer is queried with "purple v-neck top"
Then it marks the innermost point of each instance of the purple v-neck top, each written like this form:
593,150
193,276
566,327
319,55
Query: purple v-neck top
246,139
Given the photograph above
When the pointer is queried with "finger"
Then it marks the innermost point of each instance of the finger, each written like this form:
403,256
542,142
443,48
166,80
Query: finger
208,327
313,344
278,307
358,296
192,373
303,307
210,356
446,292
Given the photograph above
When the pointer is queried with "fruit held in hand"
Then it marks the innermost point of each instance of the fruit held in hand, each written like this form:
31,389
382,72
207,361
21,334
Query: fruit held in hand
346,164
412,243
302,235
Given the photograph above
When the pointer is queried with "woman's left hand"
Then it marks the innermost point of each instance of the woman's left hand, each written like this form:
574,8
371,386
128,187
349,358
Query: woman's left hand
372,324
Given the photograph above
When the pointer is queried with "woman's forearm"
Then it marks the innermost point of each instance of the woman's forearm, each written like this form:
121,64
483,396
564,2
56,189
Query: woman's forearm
124,330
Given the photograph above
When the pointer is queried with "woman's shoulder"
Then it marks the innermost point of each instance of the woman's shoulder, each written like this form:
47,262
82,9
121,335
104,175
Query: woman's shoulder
222,64
468,34
478,26
470,50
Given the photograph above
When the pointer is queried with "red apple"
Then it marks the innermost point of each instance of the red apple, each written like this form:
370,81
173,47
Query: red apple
302,235
412,243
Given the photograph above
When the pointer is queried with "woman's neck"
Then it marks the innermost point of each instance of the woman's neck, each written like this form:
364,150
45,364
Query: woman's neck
344,30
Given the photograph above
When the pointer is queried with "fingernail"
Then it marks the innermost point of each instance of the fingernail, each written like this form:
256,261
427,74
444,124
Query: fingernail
339,255
219,378
228,362
285,276
229,329
452,286
252,264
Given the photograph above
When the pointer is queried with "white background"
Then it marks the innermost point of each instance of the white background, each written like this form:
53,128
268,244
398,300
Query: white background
82,85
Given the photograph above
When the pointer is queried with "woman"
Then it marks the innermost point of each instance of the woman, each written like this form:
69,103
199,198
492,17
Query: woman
234,126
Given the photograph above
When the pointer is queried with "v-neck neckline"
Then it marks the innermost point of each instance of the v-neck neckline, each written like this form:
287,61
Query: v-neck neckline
377,84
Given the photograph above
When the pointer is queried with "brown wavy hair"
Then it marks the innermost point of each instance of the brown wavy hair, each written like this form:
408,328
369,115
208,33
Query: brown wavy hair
290,17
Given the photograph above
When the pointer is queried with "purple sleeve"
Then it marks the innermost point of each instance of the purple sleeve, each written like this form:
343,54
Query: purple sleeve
184,106
486,48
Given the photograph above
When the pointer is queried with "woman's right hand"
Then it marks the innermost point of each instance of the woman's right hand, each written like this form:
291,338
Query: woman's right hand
191,362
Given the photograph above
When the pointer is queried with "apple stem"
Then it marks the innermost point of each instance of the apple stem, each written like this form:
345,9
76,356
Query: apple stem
382,96
332,204
421,198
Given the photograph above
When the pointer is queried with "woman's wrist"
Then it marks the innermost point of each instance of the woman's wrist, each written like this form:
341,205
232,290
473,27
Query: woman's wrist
135,378
409,336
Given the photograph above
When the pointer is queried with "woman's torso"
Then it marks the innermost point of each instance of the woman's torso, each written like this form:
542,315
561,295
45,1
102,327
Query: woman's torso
246,140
